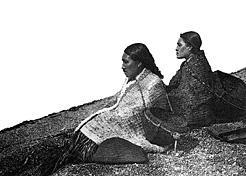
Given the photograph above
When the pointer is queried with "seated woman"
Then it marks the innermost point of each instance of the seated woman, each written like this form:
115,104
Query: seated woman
142,89
188,89
199,95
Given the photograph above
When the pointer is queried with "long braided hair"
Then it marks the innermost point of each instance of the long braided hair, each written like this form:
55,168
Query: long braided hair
140,52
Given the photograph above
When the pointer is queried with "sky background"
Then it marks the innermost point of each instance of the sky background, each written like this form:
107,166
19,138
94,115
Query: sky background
57,54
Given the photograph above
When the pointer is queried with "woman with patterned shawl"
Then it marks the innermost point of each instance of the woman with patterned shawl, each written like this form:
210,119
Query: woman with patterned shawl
142,89
199,95
188,89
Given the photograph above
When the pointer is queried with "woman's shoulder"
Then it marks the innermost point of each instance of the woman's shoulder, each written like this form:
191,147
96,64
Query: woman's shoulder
152,81
199,59
153,78
199,64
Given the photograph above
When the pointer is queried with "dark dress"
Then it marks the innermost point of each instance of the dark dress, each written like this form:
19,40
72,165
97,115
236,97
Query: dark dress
189,91
80,150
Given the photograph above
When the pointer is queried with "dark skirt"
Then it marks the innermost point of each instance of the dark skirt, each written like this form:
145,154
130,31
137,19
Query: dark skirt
80,150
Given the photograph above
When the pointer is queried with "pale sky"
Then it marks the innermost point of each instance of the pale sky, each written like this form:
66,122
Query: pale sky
57,54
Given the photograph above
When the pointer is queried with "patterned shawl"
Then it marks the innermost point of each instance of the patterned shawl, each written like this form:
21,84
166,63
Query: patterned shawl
124,119
189,97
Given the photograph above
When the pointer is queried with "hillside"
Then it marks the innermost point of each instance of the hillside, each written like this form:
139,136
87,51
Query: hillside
26,144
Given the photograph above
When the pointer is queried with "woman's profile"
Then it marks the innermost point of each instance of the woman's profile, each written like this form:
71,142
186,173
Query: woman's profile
142,89
199,95
188,88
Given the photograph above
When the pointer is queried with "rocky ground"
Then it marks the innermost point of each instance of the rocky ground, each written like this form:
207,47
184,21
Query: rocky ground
198,153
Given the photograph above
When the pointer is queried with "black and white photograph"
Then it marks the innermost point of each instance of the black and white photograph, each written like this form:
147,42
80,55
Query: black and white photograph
126,88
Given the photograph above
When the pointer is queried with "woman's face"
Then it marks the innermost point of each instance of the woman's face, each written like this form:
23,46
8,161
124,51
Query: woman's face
182,50
130,67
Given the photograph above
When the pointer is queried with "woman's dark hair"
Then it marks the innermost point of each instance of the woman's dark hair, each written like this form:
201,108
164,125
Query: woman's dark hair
193,39
140,52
